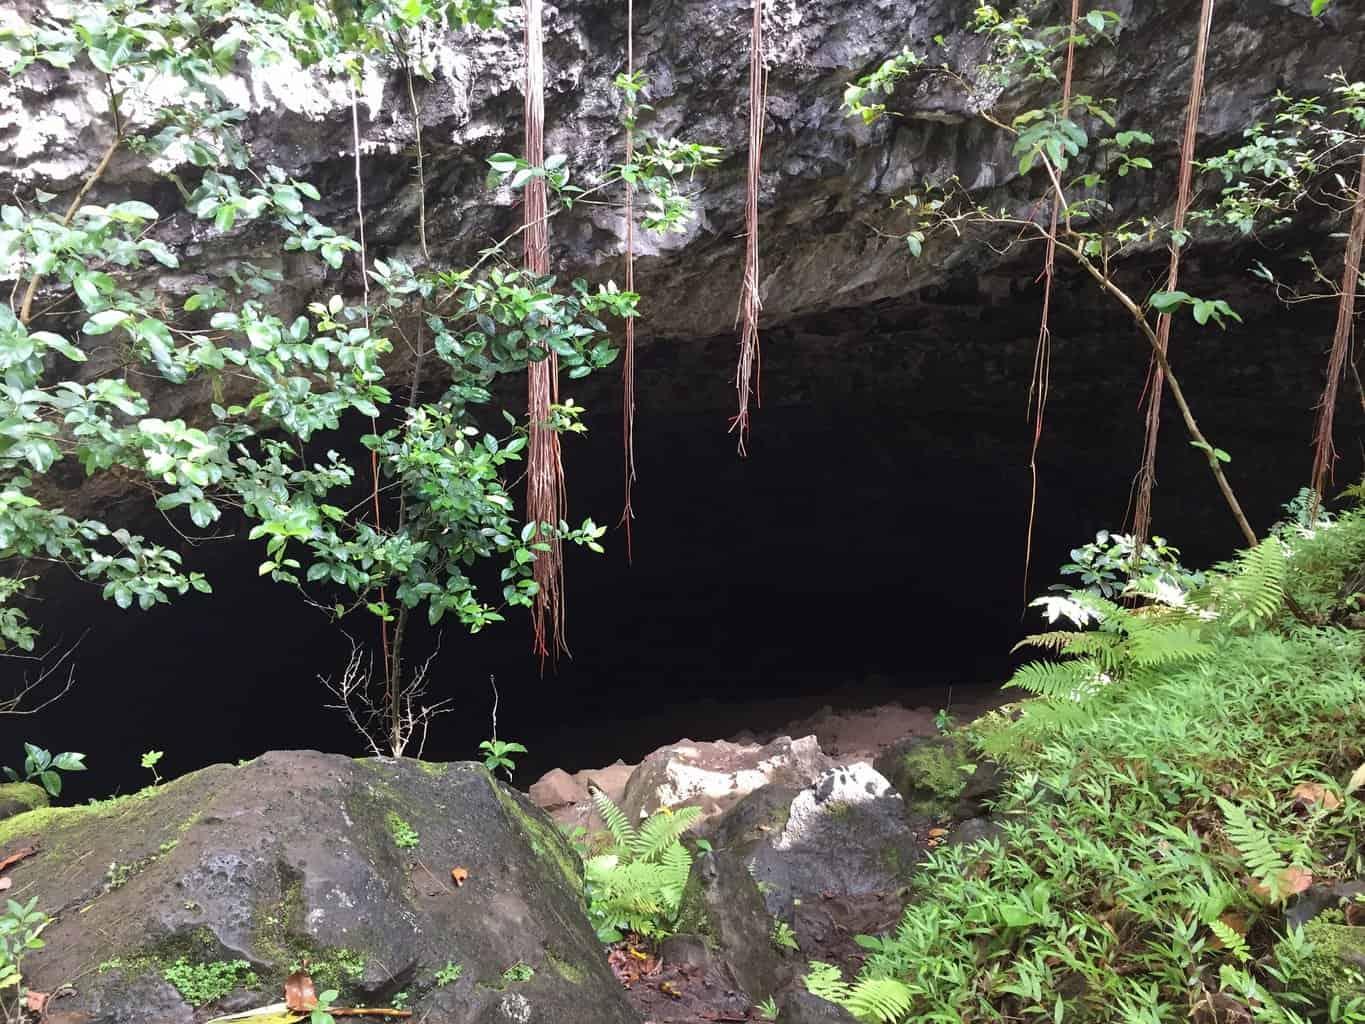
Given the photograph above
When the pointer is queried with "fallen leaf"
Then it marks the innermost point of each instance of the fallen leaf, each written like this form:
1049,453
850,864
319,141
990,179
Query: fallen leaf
459,876
1311,794
1357,780
935,833
638,954
35,1001
5,883
17,856
669,989
1292,881
299,993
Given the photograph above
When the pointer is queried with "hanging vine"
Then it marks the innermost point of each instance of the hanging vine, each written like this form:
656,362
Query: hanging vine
1042,353
1142,513
748,371
545,504
1324,454
628,361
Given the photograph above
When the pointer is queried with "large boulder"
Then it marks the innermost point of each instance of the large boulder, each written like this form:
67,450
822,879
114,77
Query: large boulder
716,776
211,889
831,859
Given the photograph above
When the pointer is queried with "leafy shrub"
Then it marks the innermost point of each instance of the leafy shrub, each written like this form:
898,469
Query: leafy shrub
1155,827
42,767
636,883
21,928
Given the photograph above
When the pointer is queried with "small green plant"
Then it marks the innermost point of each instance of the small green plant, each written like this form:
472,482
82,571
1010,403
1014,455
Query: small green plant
149,761
1108,566
404,836
767,1010
636,883
322,1012
21,928
203,983
449,974
400,1000
783,937
498,754
519,972
44,768
943,720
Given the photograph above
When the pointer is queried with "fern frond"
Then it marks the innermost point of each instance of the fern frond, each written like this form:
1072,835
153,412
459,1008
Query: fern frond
662,830
621,830
827,982
1163,643
1253,843
881,1000
1066,680
1253,590
1233,941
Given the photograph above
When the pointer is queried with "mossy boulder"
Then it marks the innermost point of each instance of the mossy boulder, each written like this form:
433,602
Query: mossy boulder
18,797
211,889
1335,964
940,776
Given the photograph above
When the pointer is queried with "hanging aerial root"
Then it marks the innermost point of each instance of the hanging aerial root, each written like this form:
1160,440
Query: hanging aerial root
545,502
1324,454
748,371
628,362
1142,511
1042,352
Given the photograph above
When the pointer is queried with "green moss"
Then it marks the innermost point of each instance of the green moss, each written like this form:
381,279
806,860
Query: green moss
25,794
405,837
202,983
1335,953
571,973
544,839
278,938
434,768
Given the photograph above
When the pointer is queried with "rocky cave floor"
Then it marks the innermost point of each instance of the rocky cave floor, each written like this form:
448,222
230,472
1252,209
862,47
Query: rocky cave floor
680,982
349,868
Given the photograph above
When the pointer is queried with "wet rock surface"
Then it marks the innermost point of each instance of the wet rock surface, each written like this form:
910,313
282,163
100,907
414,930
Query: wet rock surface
299,856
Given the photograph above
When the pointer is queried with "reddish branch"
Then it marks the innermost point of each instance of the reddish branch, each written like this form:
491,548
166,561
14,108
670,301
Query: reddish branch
746,319
545,504
1325,451
1042,353
628,366
1142,513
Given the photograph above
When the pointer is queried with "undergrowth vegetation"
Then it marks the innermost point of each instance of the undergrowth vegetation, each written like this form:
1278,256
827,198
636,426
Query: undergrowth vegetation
635,878
1184,793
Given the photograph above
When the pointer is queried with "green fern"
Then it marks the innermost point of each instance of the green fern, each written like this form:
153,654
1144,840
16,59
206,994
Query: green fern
882,1000
1251,592
1253,843
877,1000
1233,941
636,883
1063,680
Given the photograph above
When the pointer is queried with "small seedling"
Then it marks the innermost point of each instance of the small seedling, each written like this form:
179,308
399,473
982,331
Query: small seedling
497,754
149,761
41,767
449,974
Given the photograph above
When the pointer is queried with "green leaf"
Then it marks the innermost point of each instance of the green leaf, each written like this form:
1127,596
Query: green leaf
105,321
1165,302
1096,20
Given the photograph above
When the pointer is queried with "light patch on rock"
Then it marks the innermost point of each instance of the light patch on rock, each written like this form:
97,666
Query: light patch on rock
515,1006
838,788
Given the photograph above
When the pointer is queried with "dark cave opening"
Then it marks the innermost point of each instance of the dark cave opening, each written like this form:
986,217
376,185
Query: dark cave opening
869,549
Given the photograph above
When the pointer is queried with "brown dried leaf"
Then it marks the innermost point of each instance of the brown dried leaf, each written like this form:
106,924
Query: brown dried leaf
1312,794
934,833
35,1001
5,883
459,876
299,993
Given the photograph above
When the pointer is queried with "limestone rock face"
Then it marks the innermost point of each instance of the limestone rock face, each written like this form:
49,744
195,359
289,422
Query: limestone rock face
301,856
715,776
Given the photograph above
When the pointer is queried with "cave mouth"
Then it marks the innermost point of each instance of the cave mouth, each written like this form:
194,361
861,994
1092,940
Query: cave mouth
869,549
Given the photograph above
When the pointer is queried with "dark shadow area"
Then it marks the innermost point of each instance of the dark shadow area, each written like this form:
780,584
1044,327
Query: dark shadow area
870,548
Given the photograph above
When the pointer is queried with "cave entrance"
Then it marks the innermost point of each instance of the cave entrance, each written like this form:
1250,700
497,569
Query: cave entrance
869,549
